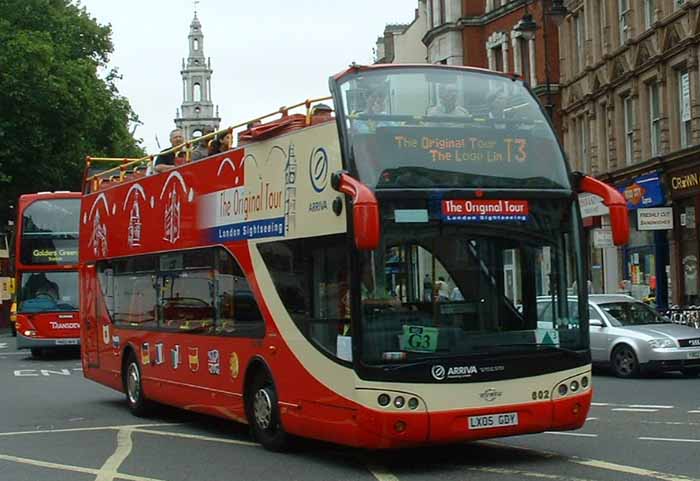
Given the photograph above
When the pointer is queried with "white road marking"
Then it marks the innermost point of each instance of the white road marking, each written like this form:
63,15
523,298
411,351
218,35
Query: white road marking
68,467
580,435
621,468
96,428
381,474
636,410
670,423
694,411
591,419
600,404
670,440
650,406
3,345
195,436
527,474
108,471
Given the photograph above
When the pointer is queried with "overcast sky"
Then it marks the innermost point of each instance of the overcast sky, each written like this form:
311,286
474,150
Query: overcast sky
264,53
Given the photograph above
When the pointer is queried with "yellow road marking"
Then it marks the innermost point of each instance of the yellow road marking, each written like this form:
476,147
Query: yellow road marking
381,474
108,471
97,428
196,436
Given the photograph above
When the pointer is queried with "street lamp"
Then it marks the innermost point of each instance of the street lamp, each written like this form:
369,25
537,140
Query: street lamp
557,11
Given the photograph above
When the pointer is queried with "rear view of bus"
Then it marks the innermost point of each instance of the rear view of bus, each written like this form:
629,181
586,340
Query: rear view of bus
477,219
46,270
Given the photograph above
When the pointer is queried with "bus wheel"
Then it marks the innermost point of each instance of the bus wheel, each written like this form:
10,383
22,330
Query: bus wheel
133,387
624,362
264,414
37,352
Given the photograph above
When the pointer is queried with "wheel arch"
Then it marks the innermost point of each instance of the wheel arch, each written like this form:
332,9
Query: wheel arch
129,350
628,342
256,366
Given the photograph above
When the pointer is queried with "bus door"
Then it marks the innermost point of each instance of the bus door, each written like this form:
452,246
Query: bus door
92,318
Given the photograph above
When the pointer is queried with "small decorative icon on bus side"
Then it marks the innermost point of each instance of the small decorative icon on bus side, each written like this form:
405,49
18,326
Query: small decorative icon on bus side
234,365
490,395
213,361
105,334
438,372
175,356
193,359
116,342
145,354
160,358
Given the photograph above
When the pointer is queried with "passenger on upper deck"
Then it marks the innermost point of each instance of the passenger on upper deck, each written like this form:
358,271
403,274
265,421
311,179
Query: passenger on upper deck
321,113
202,149
447,107
165,162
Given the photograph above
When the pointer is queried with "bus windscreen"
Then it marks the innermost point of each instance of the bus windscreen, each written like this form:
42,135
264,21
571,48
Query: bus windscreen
50,232
48,292
421,128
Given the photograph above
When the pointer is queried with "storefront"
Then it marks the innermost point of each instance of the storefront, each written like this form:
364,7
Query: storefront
645,259
684,186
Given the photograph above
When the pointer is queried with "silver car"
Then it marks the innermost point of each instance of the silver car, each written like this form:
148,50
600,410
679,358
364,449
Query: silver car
632,338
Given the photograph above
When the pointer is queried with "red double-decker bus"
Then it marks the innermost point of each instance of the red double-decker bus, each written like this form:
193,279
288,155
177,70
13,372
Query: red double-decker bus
375,278
46,269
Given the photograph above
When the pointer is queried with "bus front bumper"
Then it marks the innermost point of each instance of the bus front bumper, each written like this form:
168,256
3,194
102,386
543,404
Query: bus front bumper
395,430
24,342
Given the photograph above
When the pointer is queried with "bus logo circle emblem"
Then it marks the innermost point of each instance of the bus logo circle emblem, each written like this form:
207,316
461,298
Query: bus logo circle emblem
438,372
318,169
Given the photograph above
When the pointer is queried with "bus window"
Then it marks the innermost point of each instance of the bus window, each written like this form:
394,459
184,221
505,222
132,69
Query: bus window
134,298
50,232
238,312
312,279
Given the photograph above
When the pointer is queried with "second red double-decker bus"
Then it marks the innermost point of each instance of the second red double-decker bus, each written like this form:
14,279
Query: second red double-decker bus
376,278
46,269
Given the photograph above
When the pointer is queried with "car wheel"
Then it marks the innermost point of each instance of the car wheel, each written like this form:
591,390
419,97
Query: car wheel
264,414
691,371
624,362
133,387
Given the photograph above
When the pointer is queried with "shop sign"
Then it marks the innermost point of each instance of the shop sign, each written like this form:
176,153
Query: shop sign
592,205
685,182
602,238
644,191
660,218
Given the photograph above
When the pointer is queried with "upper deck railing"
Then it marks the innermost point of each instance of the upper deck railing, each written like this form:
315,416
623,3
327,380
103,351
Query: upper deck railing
248,131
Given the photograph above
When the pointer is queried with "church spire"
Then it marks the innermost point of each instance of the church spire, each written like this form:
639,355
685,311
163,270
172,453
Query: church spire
197,108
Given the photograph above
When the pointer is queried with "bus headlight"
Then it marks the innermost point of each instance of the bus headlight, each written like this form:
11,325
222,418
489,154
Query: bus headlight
29,333
563,389
383,400
574,386
413,403
399,401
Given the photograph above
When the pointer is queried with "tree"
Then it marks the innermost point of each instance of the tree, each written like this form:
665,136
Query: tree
54,107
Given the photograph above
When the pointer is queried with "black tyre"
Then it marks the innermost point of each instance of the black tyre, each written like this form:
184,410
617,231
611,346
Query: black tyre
624,362
14,329
37,352
263,412
691,371
133,387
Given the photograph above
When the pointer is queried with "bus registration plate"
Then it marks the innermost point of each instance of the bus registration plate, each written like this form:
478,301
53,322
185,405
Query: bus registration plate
493,421
66,342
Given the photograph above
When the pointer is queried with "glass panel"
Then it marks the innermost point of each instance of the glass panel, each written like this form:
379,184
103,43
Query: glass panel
494,288
238,312
631,314
312,279
421,127
50,232
48,292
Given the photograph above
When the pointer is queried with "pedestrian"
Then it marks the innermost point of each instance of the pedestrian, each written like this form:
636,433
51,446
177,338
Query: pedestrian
202,149
165,162
427,289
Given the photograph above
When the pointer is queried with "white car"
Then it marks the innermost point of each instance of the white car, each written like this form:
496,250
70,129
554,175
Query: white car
631,337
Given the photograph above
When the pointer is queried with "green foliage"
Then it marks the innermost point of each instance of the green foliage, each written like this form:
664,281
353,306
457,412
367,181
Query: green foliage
55,109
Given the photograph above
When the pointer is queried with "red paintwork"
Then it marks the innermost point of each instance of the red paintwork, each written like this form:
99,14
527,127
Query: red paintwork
308,408
41,322
365,211
619,217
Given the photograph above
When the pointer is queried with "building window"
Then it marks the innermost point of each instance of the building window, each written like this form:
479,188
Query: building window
584,139
497,51
684,108
197,93
522,56
649,13
603,137
654,118
628,112
442,12
579,37
602,23
625,24
195,44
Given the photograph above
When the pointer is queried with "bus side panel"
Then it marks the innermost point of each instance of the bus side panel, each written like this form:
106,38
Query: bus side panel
89,340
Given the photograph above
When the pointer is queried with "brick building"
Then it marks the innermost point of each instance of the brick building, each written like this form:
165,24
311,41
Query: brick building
631,116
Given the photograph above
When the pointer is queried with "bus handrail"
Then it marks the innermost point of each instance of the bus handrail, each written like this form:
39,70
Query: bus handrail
127,163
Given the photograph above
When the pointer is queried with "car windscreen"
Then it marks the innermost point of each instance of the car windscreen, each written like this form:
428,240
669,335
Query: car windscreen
631,313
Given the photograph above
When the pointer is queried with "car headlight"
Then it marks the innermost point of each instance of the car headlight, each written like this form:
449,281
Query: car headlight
661,343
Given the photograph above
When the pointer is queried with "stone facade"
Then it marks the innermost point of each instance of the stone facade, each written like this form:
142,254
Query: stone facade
197,110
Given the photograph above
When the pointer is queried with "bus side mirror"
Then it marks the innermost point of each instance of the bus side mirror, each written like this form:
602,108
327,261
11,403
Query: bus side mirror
619,217
365,209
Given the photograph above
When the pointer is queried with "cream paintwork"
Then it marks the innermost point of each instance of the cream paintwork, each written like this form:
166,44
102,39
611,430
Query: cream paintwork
437,397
